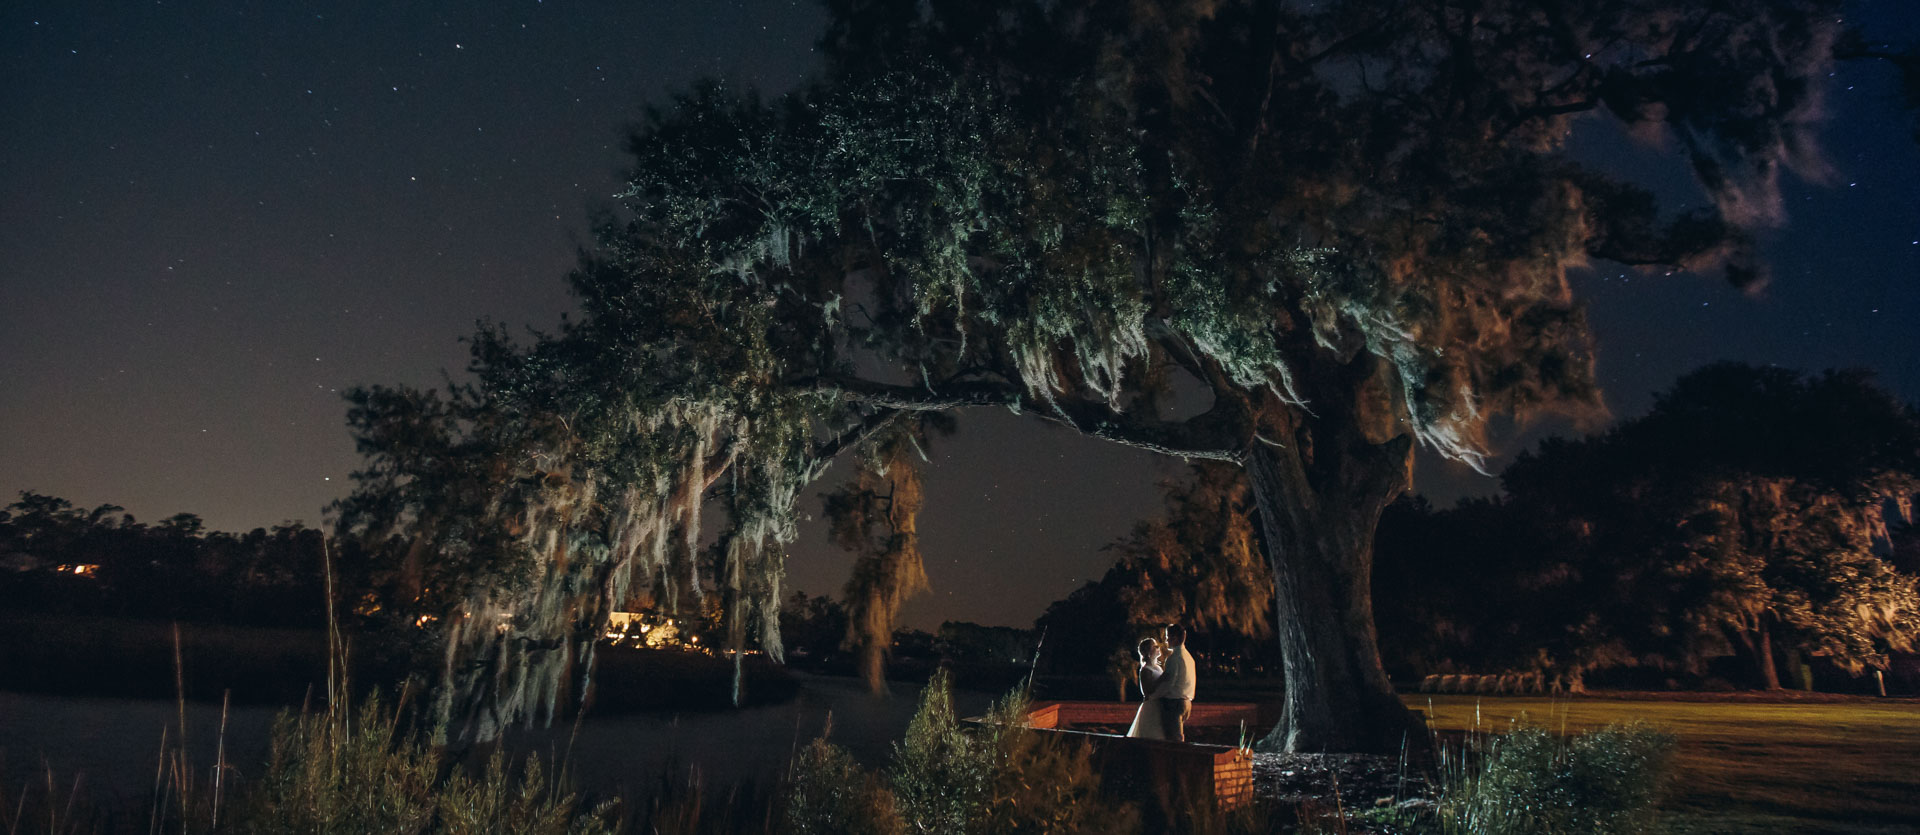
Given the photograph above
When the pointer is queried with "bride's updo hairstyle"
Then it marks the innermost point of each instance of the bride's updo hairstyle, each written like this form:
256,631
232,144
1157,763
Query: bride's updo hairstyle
1145,648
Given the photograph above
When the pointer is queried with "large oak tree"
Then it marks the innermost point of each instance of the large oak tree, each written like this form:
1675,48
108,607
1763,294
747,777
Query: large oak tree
1346,224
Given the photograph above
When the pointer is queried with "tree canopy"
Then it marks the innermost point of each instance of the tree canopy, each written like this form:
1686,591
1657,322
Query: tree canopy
1349,222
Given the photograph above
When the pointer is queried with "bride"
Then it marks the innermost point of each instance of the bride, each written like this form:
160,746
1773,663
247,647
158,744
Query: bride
1146,722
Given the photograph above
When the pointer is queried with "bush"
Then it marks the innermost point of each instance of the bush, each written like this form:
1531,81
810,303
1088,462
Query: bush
536,806
1042,783
833,795
1531,782
1001,778
941,774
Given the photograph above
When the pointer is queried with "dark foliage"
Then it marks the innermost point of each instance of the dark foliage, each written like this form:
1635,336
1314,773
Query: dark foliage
58,558
1086,628
1753,513
813,628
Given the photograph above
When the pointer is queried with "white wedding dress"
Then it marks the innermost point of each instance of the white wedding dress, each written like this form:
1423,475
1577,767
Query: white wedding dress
1147,721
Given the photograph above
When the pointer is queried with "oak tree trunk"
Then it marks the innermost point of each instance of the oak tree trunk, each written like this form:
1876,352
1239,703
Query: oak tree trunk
1318,521
1763,657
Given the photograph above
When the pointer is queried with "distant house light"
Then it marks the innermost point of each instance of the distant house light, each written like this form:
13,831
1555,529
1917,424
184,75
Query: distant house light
648,630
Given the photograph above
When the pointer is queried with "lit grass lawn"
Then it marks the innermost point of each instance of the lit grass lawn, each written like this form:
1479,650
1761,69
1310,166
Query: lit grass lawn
1748,766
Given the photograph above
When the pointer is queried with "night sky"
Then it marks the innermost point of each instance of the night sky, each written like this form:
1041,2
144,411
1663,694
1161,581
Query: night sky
214,217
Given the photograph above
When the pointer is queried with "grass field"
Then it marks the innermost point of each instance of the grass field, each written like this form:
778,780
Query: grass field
1748,766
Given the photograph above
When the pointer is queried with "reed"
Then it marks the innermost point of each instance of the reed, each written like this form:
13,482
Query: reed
40,803
346,769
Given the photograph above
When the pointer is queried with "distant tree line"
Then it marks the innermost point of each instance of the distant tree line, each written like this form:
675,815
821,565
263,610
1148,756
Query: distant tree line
820,630
1754,520
59,558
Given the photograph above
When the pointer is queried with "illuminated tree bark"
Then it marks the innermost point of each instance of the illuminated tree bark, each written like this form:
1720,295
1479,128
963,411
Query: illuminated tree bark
1319,528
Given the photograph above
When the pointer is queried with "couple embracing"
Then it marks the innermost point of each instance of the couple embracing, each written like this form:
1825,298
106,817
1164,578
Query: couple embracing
1166,687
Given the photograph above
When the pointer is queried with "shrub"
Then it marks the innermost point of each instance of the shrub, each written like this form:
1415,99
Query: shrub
1002,778
941,774
833,795
1529,781
536,806
1043,783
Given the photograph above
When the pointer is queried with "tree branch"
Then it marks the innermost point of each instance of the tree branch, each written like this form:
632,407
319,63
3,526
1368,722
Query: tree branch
1538,111
955,395
1211,435
1205,436
856,435
1360,39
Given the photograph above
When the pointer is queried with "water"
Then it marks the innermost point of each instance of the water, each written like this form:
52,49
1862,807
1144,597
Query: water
114,744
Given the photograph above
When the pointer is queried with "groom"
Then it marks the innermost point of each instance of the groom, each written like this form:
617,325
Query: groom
1175,690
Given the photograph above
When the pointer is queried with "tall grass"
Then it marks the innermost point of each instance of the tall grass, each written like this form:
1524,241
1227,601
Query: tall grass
40,804
338,772
1041,782
347,771
351,771
682,805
